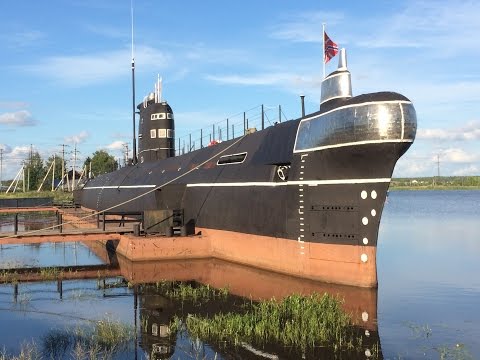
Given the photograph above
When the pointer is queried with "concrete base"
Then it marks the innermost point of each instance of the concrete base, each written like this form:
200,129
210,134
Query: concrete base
340,264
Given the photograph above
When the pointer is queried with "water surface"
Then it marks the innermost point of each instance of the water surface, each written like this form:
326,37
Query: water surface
427,305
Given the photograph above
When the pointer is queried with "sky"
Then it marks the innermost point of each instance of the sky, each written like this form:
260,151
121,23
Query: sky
66,69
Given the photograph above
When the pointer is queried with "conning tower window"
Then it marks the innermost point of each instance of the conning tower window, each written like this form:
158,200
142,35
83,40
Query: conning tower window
232,159
153,133
170,133
162,133
170,116
158,116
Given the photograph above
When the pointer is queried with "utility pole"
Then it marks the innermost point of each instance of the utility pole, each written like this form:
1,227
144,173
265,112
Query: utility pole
63,164
125,146
438,165
74,163
1,169
23,173
437,178
29,166
53,173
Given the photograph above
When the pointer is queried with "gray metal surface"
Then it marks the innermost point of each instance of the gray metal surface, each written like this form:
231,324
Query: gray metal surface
364,122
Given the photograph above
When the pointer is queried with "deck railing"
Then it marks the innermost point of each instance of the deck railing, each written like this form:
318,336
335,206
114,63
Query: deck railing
258,117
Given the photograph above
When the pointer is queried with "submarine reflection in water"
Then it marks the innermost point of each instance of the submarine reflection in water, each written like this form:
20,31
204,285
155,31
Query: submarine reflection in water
157,309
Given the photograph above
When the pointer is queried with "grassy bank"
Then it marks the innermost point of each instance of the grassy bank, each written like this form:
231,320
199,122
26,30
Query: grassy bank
430,187
58,196
298,322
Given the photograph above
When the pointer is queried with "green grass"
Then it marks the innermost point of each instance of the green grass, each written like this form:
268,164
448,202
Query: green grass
47,274
190,292
430,187
301,322
102,340
58,196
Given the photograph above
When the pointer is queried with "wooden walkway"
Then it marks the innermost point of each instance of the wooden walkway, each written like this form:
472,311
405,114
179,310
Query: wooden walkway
33,274
28,237
25,210
78,225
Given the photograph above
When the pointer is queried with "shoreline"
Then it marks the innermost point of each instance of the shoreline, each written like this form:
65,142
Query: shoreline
443,188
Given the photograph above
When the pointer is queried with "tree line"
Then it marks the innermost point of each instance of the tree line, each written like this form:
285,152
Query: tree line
36,169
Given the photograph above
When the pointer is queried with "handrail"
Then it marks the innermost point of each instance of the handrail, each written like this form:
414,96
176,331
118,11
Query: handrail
232,127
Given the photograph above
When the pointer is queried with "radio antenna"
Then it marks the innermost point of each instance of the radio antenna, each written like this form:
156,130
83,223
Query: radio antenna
134,159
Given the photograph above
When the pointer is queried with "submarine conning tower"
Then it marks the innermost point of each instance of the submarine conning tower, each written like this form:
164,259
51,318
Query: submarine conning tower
337,86
156,130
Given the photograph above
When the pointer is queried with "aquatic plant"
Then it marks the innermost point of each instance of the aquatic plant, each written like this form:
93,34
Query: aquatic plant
28,351
296,321
101,340
190,291
8,276
51,273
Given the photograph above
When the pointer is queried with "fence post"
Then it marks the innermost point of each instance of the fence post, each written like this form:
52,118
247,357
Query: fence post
103,226
15,223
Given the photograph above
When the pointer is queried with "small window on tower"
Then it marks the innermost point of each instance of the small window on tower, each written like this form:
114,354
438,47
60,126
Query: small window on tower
169,116
162,133
153,133
158,116
170,133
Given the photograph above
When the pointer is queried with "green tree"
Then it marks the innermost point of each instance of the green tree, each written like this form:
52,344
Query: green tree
34,171
102,162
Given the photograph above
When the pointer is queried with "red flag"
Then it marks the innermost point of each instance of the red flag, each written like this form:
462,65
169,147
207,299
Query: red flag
331,48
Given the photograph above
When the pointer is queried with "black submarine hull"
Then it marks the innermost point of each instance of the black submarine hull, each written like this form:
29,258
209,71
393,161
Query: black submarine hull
319,182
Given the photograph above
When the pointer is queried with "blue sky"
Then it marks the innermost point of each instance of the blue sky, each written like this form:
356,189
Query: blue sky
66,75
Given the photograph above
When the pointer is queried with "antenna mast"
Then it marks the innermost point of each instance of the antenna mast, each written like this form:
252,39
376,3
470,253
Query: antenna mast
134,160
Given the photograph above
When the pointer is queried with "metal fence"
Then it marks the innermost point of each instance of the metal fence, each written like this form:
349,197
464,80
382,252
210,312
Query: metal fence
257,118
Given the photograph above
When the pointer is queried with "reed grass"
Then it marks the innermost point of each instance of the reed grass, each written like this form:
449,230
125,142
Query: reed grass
51,273
302,322
103,340
190,292
58,196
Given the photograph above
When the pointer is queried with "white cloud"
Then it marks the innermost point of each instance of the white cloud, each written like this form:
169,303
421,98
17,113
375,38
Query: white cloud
410,166
469,132
425,25
6,149
13,104
305,26
83,70
22,39
77,138
117,145
469,170
456,155
258,79
18,118
107,31
429,25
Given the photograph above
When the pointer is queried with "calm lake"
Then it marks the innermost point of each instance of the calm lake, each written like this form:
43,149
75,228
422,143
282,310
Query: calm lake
427,305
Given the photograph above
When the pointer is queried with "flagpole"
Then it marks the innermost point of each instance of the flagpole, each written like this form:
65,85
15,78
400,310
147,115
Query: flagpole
323,42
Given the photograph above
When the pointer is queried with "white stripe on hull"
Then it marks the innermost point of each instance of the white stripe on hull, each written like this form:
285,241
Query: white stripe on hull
120,187
364,142
256,183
